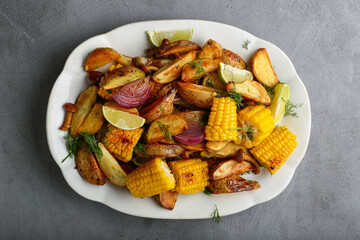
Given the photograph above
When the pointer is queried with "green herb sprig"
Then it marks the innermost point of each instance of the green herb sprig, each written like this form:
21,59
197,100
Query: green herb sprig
216,215
139,147
204,119
72,145
246,44
207,192
290,109
165,130
93,146
199,69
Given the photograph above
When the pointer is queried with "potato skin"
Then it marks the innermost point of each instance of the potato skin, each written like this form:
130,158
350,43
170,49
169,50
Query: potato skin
197,95
232,184
263,69
94,120
233,59
88,167
179,47
211,50
162,150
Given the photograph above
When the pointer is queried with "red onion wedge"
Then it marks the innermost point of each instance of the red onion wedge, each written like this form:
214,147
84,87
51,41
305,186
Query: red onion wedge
193,135
134,94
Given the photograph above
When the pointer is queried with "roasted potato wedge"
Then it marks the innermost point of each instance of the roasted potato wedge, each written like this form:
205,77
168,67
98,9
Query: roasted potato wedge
111,167
194,116
88,167
233,59
230,167
168,141
84,103
232,184
212,80
263,69
211,50
197,95
250,90
182,103
196,147
100,57
197,69
121,76
115,105
94,120
168,199
172,71
162,150
124,60
178,47
165,126
215,146
186,154
161,107
229,150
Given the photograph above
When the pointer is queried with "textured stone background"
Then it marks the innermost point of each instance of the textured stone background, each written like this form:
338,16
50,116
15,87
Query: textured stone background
323,41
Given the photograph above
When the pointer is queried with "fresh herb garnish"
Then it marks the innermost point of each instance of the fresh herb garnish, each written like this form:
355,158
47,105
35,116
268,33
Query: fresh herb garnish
269,90
204,119
109,91
216,215
161,107
209,84
139,147
72,145
93,146
237,98
207,192
165,130
199,69
246,173
246,44
290,109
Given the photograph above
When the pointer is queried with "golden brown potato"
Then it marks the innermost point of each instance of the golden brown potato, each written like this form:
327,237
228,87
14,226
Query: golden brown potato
111,167
84,103
124,60
115,105
230,167
194,116
161,107
199,68
215,146
165,127
197,95
233,59
121,76
212,80
232,184
186,154
172,71
178,47
100,57
196,147
162,150
88,167
94,120
250,90
168,199
263,69
182,103
230,150
211,50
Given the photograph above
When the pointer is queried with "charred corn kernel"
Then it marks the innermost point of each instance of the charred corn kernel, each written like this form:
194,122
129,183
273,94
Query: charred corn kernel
275,149
191,175
150,179
255,123
222,120
121,142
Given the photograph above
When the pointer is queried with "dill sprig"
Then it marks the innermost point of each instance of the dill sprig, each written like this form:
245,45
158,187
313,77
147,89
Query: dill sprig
209,84
269,90
72,145
237,98
249,131
216,215
165,130
93,146
207,192
245,173
290,109
246,44
139,147
199,69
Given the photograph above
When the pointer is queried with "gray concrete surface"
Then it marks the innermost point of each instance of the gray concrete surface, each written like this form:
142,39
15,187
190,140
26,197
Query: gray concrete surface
322,38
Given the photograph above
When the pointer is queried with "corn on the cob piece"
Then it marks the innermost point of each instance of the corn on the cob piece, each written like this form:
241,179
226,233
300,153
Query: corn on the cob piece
255,123
275,149
222,120
121,142
191,175
150,179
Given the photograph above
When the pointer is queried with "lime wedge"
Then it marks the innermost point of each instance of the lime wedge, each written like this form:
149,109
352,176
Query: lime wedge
228,73
122,120
156,37
278,104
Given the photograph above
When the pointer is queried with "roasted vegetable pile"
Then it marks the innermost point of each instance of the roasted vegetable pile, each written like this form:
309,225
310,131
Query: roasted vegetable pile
176,121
